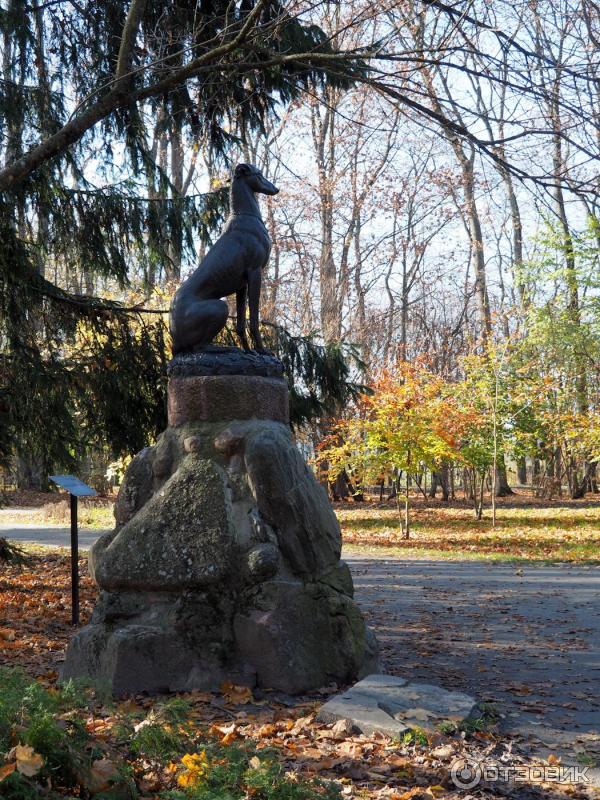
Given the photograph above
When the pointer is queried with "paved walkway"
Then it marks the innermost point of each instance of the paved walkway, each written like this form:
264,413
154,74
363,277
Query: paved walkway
524,637
49,535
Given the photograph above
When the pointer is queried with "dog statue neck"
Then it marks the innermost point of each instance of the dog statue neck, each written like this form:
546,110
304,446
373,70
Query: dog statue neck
243,200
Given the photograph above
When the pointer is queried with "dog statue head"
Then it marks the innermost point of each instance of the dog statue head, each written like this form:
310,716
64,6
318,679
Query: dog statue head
254,178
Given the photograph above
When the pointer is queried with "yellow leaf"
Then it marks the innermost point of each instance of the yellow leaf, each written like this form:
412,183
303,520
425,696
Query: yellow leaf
254,762
196,766
436,791
187,779
29,763
195,761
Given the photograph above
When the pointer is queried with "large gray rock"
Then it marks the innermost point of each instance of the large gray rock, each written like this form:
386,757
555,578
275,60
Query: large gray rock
392,705
137,488
303,635
180,539
224,565
292,501
158,643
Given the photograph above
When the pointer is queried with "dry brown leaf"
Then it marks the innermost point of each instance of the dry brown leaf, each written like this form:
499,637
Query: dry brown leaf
301,723
7,634
412,794
236,694
356,772
342,728
266,730
223,730
102,775
443,752
226,733
7,770
326,764
353,749
150,782
421,714
311,753
197,696
398,761
28,762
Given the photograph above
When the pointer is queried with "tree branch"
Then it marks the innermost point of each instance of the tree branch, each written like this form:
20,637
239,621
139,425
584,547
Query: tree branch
130,31
115,98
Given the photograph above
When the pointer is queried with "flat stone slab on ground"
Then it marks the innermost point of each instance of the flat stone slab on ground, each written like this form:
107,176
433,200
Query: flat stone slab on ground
390,705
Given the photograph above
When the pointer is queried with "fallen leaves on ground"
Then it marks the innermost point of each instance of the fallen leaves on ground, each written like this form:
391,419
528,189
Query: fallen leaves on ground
363,766
567,532
236,694
103,774
35,610
35,605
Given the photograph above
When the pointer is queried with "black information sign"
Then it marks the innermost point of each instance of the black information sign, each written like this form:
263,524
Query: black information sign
76,488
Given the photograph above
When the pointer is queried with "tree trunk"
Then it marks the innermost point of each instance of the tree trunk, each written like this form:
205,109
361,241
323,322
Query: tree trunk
323,133
502,486
175,250
339,487
30,473
441,478
435,481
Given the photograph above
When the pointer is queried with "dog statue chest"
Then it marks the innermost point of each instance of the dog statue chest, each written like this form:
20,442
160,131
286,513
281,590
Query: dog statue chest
253,233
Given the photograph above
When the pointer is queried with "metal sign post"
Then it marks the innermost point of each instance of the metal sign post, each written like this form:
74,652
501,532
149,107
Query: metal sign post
76,488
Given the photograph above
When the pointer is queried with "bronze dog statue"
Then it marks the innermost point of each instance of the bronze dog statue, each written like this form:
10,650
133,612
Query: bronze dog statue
233,266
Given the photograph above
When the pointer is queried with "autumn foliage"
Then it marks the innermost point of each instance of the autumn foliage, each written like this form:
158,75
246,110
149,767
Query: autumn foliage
415,420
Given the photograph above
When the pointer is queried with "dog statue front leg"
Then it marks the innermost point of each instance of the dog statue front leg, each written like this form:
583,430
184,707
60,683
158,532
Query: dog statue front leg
254,281
240,313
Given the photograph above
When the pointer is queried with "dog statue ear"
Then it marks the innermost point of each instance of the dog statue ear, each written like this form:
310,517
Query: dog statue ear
242,169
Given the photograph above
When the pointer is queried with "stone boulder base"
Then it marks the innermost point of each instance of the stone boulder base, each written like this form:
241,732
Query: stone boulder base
224,563
393,706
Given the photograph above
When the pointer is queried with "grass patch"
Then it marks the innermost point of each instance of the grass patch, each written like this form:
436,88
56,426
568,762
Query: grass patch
486,720
523,533
587,760
92,513
43,743
415,736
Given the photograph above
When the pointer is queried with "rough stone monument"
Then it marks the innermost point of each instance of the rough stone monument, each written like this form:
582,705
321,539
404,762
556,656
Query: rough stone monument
225,560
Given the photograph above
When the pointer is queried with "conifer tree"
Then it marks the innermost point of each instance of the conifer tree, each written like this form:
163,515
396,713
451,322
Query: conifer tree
86,91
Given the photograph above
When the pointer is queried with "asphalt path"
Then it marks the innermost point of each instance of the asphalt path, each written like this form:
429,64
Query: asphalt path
48,535
522,636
